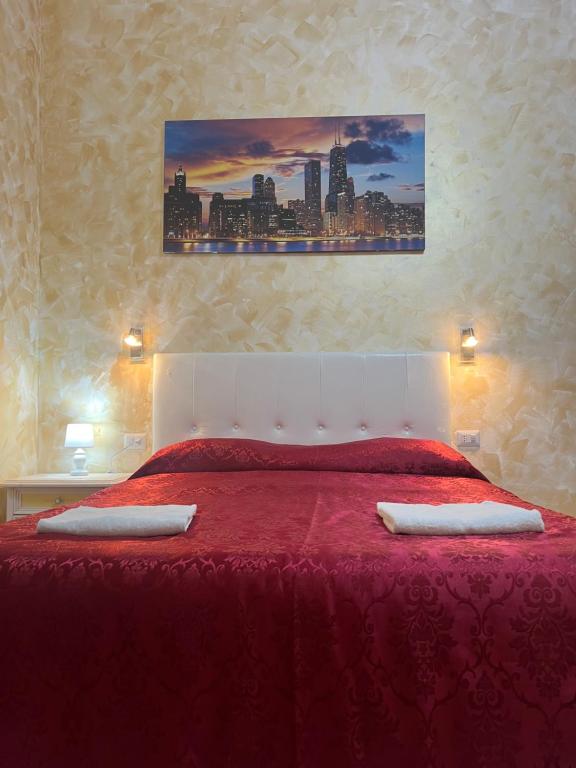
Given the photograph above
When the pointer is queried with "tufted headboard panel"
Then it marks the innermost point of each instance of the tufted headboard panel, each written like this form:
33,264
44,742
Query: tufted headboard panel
300,398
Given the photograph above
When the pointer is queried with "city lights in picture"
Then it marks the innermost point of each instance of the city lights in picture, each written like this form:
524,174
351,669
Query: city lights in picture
290,185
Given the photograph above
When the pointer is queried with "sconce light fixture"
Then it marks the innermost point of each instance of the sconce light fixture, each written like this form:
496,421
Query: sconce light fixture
79,436
134,340
468,343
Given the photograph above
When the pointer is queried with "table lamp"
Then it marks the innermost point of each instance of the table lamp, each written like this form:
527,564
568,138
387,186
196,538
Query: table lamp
79,436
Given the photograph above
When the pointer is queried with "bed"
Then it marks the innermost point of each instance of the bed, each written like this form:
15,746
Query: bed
287,628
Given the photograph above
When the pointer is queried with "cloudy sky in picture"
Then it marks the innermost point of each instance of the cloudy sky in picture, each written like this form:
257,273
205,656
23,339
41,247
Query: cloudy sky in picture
384,153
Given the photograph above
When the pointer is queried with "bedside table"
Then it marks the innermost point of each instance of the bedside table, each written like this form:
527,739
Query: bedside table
35,493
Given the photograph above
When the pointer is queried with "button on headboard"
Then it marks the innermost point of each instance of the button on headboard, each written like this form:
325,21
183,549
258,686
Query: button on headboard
300,398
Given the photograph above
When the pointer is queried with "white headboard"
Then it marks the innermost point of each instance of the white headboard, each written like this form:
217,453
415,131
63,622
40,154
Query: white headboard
300,398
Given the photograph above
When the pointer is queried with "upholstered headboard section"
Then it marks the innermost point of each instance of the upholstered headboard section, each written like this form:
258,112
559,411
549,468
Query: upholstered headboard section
300,398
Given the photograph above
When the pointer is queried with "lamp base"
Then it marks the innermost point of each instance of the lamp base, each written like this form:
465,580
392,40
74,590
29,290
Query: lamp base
79,463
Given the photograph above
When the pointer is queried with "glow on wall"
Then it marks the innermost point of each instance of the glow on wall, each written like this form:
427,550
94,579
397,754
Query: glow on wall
290,185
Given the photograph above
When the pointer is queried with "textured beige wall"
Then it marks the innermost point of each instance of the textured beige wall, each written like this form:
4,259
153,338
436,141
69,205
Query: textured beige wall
19,235
496,82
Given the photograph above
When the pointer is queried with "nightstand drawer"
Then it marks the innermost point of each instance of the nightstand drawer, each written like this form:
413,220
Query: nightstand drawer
39,499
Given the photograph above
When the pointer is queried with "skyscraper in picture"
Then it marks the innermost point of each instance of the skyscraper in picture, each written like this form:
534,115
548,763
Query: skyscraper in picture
270,190
180,181
313,196
338,178
351,194
182,209
258,186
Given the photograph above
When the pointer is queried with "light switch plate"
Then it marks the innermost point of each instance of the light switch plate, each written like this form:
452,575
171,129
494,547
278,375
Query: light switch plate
135,441
468,438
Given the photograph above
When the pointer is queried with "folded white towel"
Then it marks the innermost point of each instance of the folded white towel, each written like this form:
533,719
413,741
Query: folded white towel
138,521
458,519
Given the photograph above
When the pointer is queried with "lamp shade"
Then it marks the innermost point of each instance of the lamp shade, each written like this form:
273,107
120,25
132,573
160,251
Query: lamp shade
79,436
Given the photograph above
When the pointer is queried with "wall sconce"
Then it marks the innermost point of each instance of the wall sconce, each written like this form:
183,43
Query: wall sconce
468,343
134,340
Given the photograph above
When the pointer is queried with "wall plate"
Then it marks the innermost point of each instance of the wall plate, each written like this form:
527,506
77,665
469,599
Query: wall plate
468,438
135,441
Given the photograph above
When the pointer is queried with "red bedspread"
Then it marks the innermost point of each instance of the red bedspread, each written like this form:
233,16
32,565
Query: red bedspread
287,628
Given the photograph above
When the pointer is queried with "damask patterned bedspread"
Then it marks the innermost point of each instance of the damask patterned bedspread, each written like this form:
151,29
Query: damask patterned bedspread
288,628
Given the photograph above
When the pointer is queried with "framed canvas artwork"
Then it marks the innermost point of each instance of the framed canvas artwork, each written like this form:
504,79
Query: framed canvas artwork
294,185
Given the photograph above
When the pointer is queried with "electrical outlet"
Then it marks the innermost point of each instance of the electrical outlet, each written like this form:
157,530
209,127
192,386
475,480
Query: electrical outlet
135,441
468,438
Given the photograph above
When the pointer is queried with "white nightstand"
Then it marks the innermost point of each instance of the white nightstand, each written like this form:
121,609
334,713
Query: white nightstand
35,493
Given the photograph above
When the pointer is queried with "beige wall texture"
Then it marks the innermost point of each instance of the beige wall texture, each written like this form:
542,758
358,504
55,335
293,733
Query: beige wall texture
495,79
19,236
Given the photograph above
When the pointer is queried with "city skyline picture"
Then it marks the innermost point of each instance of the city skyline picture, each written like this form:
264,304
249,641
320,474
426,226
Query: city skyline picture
294,185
